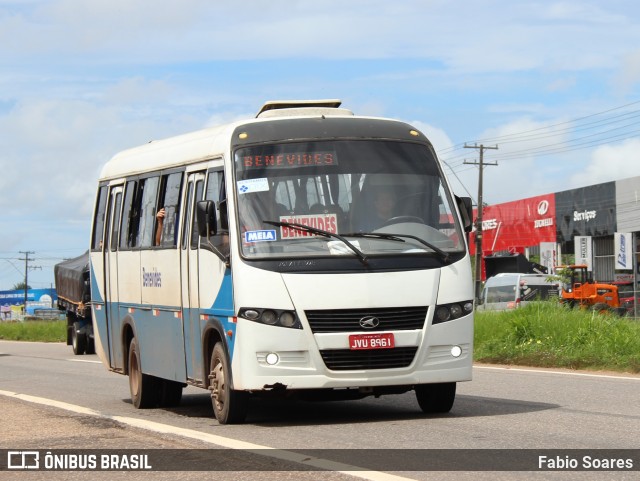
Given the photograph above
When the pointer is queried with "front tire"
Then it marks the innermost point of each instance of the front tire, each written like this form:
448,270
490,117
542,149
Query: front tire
436,398
143,387
229,406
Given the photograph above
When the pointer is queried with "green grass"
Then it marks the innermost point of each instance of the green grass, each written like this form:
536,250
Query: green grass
546,334
42,331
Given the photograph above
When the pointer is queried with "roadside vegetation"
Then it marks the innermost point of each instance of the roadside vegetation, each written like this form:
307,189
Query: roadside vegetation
40,331
547,334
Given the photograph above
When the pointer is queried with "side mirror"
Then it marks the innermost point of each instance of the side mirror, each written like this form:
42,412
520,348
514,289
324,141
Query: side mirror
206,218
465,207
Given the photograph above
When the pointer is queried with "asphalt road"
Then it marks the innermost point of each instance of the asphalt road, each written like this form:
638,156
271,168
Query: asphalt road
51,399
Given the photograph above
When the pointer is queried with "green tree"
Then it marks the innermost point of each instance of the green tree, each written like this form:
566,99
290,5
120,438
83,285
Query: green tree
20,286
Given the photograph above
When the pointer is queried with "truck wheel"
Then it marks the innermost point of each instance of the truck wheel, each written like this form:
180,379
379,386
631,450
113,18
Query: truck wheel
170,393
143,387
91,346
78,339
229,406
436,398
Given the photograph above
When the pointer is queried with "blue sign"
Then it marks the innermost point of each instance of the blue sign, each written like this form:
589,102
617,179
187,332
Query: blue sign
16,297
260,236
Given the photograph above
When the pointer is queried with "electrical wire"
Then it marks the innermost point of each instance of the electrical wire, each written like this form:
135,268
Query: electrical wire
604,130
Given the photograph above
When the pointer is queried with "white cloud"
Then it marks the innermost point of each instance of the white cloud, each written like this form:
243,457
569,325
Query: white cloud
629,74
486,36
610,162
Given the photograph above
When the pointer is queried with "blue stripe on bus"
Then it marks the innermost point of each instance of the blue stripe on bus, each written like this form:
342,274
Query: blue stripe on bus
223,309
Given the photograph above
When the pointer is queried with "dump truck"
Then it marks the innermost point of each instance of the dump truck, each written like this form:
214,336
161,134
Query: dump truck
73,287
580,290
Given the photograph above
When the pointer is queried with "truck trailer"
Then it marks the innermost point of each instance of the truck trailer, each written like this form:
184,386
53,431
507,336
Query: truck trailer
74,298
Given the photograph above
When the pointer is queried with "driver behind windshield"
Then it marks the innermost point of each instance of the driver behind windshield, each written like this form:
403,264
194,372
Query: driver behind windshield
380,210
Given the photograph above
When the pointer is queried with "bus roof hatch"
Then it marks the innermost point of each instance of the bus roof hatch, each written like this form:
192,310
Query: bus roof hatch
285,108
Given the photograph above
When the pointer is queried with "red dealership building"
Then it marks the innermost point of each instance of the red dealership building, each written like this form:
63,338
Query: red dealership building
599,224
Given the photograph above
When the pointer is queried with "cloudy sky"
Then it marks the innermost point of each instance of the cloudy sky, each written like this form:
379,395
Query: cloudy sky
554,84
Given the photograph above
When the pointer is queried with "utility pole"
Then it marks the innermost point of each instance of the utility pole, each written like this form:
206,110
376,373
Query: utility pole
26,274
478,259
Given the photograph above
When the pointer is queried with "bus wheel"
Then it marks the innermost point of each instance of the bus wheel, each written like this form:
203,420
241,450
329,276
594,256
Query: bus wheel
436,398
229,406
143,387
78,339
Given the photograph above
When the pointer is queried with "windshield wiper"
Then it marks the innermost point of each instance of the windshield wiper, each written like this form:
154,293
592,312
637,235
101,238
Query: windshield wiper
321,232
375,235
398,237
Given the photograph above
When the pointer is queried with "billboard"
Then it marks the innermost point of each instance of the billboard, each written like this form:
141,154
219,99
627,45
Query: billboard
39,297
549,256
623,244
583,251
512,226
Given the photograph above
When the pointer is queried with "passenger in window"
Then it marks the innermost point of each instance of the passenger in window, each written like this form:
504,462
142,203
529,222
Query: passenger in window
159,223
161,216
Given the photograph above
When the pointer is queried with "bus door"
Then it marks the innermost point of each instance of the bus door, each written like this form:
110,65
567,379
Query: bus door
189,275
111,276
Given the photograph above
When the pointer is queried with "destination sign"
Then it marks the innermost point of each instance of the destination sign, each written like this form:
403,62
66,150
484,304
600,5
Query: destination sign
290,160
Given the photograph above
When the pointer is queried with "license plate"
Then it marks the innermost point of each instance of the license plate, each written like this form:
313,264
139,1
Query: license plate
371,341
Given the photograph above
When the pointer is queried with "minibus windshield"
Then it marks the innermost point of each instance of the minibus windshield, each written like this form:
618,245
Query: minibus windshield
382,197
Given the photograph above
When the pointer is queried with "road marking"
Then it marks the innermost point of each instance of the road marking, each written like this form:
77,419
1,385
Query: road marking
213,439
550,371
85,360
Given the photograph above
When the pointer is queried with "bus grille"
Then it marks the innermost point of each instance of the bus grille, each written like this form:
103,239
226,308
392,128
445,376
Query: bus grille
346,359
347,320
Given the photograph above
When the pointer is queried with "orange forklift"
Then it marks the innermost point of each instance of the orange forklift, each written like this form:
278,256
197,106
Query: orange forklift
579,289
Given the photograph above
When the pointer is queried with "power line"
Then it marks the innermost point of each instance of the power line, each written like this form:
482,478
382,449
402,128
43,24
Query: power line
502,138
622,126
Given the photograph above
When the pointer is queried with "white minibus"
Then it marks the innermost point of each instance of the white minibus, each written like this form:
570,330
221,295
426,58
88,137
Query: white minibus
305,251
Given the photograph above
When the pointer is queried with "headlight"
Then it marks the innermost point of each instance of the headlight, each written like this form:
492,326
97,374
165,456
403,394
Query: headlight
271,317
449,312
287,319
443,314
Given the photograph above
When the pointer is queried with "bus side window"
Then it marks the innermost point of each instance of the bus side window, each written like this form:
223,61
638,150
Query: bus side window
216,192
189,214
98,220
115,229
169,201
194,227
146,229
129,217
